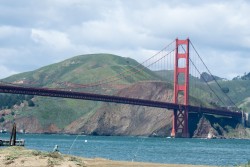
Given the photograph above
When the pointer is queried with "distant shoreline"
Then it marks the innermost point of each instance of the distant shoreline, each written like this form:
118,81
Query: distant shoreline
168,137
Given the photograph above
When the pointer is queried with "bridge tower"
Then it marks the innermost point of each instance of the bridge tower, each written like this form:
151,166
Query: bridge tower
181,87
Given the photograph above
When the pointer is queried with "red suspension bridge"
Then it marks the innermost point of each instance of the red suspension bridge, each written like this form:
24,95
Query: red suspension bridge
178,62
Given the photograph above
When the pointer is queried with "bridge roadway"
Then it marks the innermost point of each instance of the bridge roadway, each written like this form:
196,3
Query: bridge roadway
114,99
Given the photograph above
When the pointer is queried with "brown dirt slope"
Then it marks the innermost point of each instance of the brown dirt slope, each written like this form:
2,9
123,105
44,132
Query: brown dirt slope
114,119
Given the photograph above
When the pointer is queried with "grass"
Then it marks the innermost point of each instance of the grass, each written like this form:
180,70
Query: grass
79,69
9,159
77,161
47,159
62,111
14,153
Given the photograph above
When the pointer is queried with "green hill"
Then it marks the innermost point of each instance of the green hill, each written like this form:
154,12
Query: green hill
81,69
238,90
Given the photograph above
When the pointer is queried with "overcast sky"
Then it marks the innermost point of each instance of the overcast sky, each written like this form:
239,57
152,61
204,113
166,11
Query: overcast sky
37,33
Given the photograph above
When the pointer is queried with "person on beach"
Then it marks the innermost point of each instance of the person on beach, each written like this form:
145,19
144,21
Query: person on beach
56,149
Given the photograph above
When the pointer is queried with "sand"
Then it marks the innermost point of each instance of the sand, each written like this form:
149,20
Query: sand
22,157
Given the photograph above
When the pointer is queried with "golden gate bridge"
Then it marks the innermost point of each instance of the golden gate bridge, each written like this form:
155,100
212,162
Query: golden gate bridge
181,65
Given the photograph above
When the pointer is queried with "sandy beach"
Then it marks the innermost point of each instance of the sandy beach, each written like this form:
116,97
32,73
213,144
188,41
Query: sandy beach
22,157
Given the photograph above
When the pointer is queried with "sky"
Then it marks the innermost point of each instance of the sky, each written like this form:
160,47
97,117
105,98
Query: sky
36,33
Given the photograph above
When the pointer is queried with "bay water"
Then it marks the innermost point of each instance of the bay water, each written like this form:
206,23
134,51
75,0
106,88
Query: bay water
222,152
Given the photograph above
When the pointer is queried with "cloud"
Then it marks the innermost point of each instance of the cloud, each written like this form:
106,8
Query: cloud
5,72
224,61
7,31
49,31
51,38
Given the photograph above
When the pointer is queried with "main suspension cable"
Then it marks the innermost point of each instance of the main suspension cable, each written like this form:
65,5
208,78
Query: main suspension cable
213,76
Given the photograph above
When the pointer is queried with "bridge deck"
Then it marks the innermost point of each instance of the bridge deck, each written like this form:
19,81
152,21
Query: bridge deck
114,99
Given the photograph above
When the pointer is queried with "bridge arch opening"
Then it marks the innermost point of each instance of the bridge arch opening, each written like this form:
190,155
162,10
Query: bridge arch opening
182,48
182,62
181,79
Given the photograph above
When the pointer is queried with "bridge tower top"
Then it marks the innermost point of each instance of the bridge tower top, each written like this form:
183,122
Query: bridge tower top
181,68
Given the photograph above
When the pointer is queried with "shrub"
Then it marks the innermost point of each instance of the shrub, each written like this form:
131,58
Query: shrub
31,103
2,119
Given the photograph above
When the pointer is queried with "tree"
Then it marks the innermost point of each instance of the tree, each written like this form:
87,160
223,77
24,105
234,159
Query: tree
31,103
225,89
2,119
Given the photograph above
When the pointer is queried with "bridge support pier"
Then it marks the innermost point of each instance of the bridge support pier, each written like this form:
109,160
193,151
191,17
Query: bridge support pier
180,124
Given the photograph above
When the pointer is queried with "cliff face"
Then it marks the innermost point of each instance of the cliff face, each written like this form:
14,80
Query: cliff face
31,124
204,128
120,119
128,120
220,127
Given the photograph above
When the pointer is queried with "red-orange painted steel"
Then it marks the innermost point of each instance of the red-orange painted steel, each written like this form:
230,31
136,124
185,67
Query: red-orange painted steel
180,116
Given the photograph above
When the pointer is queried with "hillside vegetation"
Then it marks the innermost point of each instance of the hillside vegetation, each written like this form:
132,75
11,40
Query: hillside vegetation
82,69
